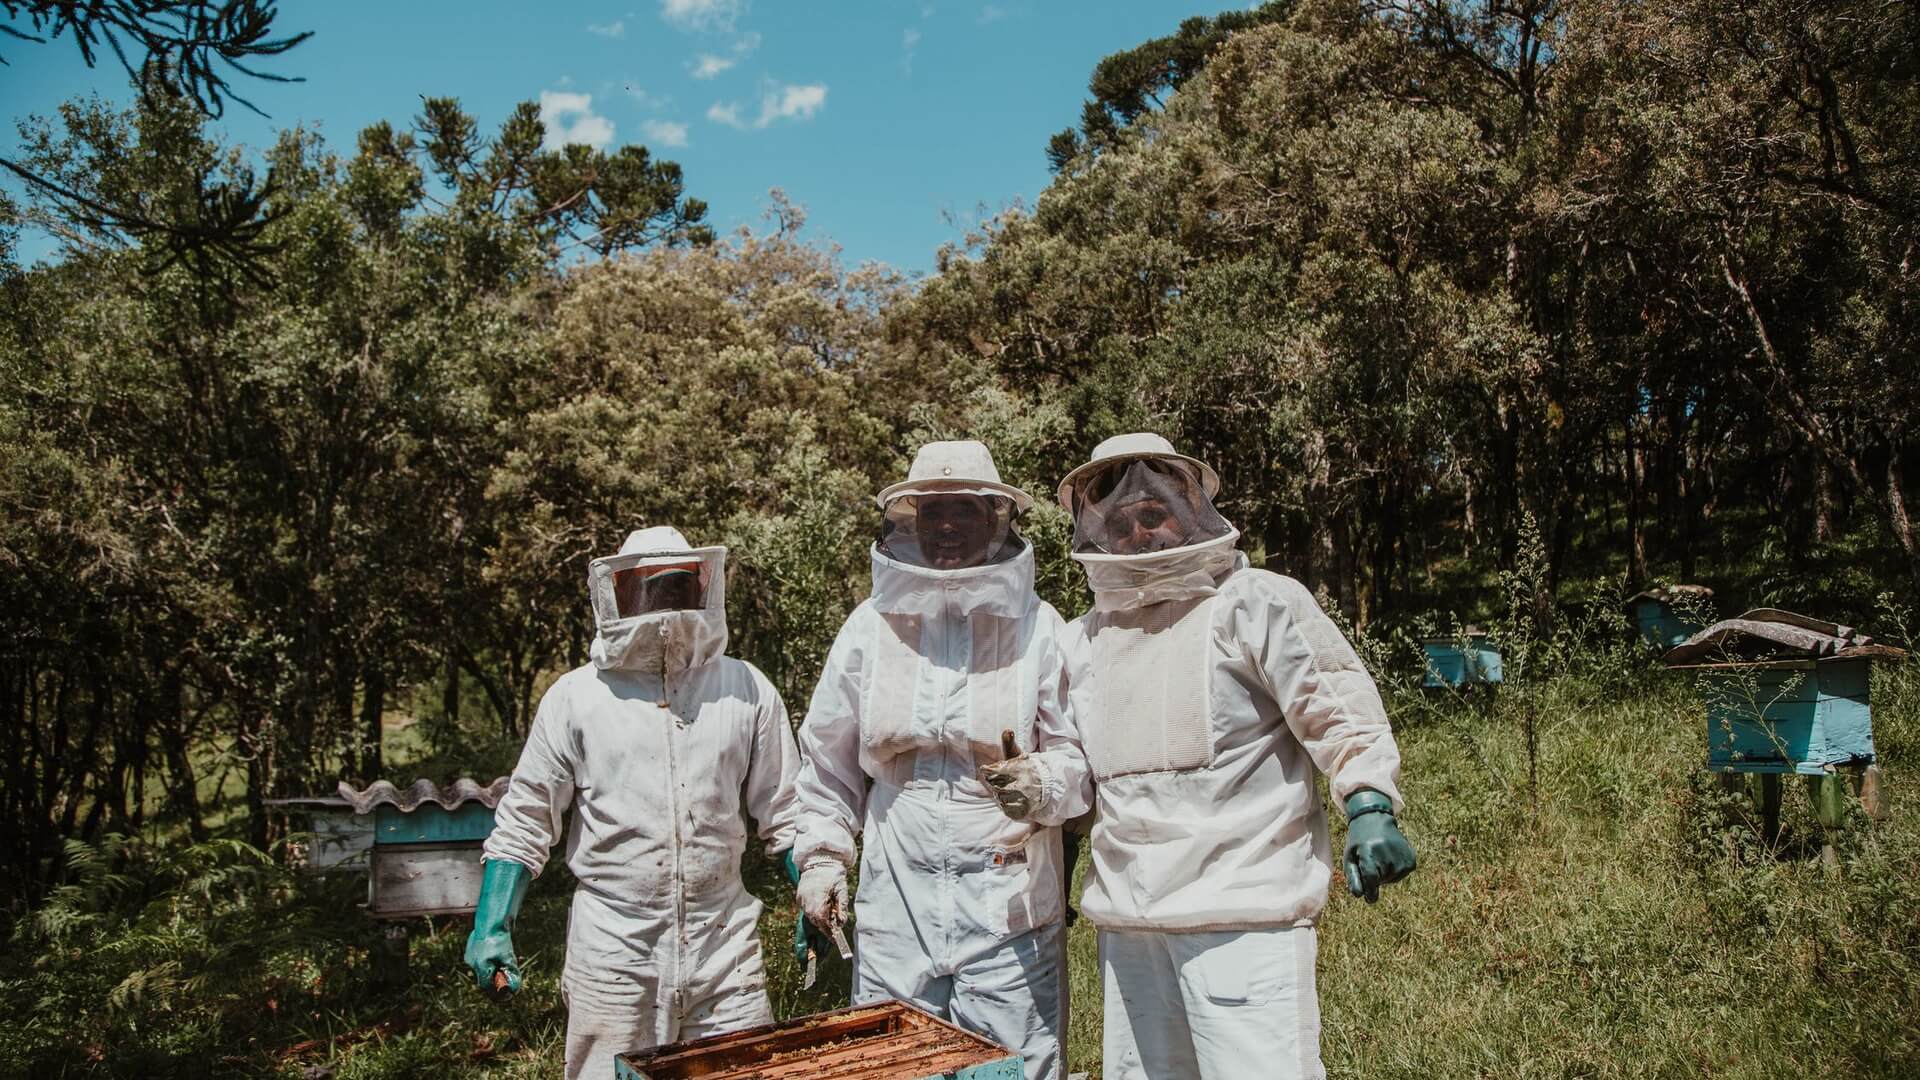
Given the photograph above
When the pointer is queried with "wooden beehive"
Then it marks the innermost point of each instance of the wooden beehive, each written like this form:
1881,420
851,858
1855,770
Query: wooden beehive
1802,716
888,1040
420,846
1784,693
1657,621
1461,661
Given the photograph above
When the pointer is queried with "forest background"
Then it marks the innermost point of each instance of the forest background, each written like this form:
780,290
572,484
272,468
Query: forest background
1484,311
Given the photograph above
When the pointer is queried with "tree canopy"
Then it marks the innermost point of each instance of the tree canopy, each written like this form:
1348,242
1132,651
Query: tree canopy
1431,283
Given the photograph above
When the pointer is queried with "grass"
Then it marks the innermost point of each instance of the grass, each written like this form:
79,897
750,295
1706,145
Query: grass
1627,924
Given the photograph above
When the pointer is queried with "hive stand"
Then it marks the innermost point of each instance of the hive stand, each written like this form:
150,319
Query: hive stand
1787,694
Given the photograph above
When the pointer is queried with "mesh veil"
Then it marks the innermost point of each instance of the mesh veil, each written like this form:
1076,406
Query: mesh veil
1142,505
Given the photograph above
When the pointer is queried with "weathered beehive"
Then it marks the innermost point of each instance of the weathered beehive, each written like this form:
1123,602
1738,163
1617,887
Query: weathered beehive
1461,661
420,846
1788,694
1785,693
1661,616
889,1040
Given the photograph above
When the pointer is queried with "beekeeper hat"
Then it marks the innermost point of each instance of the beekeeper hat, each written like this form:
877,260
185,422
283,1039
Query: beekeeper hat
962,466
1138,444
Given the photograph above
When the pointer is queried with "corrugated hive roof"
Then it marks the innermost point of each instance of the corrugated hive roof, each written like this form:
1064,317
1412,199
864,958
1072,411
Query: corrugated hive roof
461,791
1772,634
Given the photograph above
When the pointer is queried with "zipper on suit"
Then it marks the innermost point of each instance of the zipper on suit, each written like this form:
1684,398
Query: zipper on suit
675,997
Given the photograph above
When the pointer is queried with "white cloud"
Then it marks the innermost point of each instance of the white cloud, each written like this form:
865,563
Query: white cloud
707,65
654,102
993,13
702,14
614,29
665,132
569,118
791,103
909,41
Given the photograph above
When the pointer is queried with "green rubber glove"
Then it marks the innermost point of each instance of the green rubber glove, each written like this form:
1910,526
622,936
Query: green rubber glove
806,936
503,886
1377,853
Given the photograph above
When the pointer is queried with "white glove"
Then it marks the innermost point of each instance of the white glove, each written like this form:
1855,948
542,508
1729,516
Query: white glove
1017,785
823,894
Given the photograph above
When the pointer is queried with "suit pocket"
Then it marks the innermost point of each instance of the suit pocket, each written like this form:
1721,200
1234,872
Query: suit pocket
1243,968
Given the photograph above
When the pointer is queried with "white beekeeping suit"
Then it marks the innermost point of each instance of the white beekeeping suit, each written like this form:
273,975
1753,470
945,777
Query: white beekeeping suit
1207,694
960,906
653,745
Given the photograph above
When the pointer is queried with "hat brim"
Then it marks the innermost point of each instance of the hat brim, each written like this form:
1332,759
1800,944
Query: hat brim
1209,480
1022,502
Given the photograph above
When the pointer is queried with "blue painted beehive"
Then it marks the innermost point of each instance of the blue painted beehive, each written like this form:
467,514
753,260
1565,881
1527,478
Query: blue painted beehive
420,847
1461,662
1662,616
1804,717
1785,693
885,1040
426,845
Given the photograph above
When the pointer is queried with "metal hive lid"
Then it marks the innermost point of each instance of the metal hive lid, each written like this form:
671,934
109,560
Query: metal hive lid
457,793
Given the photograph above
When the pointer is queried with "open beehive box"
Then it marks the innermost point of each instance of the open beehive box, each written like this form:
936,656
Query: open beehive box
890,1040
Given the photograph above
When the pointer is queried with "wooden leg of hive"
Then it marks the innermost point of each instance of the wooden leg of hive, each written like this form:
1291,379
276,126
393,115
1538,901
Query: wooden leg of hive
1873,798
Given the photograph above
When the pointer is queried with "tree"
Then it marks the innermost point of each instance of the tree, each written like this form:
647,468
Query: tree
184,49
253,508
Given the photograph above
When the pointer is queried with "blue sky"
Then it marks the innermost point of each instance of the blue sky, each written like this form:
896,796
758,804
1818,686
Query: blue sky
894,124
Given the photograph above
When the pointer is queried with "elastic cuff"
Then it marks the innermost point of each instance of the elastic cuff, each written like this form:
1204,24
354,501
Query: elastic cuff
532,870
1368,801
1051,789
824,858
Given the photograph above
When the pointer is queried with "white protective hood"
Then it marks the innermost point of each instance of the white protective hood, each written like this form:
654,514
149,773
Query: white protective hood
1183,573
1004,588
669,642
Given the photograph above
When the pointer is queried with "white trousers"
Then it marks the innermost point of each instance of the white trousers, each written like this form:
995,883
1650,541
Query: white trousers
598,1030
656,989
1210,1005
1014,994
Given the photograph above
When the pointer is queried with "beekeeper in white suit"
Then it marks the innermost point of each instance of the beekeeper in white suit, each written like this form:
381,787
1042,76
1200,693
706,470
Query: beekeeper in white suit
654,745
1207,694
960,902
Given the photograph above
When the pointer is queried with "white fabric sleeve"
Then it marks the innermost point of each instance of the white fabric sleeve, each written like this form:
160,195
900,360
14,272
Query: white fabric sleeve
832,786
1066,779
1330,702
528,819
770,776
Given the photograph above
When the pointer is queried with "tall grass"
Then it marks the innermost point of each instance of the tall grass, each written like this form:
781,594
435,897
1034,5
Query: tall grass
1628,922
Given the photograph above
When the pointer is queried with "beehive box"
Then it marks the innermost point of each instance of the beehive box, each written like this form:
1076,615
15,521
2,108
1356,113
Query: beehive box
420,846
889,1040
426,848
1656,619
1803,717
1461,662
1785,693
